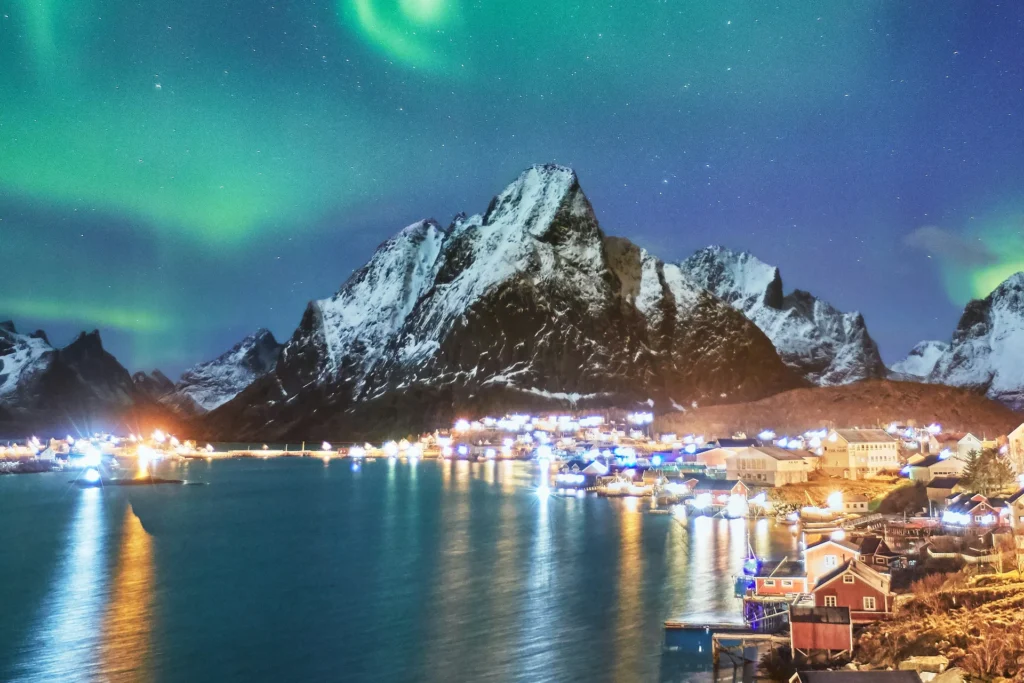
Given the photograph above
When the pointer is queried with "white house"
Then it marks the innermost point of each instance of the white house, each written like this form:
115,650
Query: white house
766,466
946,464
1016,448
859,453
957,444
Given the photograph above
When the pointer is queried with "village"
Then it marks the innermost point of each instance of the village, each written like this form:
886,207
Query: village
906,531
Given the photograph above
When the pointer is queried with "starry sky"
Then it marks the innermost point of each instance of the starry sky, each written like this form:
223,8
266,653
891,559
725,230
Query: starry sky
178,174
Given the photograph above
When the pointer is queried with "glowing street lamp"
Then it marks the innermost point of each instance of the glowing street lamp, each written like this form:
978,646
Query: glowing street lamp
835,501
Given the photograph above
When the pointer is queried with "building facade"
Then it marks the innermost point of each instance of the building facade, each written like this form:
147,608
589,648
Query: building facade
766,466
859,453
860,588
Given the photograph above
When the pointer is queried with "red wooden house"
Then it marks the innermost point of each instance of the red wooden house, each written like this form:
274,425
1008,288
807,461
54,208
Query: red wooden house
856,585
781,579
820,628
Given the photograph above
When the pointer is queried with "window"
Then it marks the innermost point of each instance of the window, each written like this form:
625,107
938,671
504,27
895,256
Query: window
769,582
869,604
848,578
830,601
831,561
787,583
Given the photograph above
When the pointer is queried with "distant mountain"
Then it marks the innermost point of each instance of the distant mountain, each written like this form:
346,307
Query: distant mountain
213,383
921,360
821,343
525,306
77,389
987,349
154,384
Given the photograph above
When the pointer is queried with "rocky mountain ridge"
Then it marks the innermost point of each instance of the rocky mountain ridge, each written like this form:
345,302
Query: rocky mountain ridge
821,343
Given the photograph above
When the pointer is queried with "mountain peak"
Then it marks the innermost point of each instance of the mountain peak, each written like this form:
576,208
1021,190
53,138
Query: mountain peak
1014,283
8,325
86,342
534,199
737,277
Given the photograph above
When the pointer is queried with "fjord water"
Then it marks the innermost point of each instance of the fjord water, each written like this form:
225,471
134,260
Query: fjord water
294,570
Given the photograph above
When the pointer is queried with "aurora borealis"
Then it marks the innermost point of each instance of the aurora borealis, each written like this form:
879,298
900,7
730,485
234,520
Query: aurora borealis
179,174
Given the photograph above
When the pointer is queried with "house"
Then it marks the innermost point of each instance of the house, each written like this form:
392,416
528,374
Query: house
945,464
1015,448
859,453
856,503
957,444
844,676
825,555
1015,511
820,628
856,585
766,466
940,489
717,487
713,458
973,510
876,552
781,579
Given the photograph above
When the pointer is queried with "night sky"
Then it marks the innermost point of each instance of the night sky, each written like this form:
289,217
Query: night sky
180,173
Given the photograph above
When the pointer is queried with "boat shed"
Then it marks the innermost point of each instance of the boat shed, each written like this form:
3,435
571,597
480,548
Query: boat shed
820,628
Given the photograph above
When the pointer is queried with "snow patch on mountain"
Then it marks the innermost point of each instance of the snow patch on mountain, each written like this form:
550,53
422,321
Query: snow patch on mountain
921,360
375,302
824,344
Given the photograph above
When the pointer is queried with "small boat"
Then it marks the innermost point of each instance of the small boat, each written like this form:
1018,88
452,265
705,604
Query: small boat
752,564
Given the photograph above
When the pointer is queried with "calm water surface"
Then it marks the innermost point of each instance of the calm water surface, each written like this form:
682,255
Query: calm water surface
293,570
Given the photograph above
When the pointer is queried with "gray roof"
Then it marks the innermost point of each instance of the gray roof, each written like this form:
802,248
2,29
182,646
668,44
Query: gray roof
776,453
944,483
865,435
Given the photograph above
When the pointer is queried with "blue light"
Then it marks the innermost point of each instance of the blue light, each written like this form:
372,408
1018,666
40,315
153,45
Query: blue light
656,461
92,475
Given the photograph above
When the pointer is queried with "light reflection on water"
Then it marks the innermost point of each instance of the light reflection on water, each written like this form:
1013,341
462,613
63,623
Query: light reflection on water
66,640
434,571
128,621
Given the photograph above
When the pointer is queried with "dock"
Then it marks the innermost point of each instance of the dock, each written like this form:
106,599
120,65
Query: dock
735,650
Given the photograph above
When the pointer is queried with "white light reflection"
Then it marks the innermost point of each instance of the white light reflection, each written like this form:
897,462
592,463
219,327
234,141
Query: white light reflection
67,637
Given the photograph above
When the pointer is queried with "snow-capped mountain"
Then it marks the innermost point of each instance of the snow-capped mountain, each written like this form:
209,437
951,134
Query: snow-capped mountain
213,383
526,304
987,350
24,360
921,360
79,388
821,343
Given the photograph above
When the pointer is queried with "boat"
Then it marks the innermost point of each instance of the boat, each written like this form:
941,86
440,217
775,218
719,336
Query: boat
751,564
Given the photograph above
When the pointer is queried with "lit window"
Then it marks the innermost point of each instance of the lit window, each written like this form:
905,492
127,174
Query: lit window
830,601
848,578
869,604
